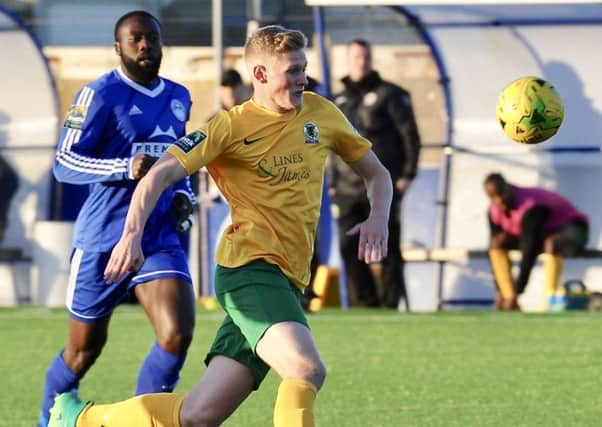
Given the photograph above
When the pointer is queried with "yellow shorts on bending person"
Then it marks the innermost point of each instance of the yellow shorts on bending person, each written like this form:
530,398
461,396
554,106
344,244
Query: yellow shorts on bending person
255,296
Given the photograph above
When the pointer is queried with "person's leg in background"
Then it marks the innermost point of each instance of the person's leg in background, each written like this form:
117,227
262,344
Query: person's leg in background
168,301
90,302
569,241
169,304
501,267
9,187
84,345
359,275
308,293
394,286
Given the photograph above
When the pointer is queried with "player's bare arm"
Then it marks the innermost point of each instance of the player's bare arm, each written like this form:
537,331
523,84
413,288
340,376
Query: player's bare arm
127,254
374,234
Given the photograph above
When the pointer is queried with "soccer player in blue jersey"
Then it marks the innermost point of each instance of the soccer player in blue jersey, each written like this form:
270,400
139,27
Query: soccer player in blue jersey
116,128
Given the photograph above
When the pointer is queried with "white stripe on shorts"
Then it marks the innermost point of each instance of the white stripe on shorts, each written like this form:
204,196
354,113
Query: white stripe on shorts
142,276
75,262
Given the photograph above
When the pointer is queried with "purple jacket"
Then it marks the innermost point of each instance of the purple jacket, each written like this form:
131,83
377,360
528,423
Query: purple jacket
562,211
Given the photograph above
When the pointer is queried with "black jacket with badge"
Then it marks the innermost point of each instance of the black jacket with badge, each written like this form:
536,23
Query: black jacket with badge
381,112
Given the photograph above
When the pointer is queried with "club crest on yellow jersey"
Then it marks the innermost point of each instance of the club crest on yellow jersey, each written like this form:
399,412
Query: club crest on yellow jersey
311,133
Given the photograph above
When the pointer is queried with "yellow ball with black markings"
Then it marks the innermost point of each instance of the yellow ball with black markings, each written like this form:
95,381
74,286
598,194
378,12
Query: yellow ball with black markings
530,110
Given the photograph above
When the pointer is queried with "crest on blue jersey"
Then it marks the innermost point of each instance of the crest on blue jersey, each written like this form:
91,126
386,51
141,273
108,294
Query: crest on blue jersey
76,116
188,142
311,133
178,109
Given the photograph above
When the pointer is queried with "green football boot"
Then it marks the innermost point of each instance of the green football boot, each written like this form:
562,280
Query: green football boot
66,409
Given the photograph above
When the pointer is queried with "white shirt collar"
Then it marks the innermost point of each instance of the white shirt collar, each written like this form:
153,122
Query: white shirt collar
137,86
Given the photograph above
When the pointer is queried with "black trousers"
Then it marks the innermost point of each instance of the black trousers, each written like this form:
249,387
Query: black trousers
9,184
359,274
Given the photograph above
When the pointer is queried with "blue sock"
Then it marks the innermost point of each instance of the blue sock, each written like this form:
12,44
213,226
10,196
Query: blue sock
160,371
59,379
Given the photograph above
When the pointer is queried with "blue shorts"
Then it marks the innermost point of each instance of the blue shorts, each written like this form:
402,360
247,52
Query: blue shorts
89,297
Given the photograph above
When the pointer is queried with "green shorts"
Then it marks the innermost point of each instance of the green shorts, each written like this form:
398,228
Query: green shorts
255,296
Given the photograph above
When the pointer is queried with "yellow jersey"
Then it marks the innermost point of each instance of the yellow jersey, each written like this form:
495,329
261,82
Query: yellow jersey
270,168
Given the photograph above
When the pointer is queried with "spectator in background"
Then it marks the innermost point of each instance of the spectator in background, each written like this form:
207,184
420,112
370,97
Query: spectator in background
232,89
114,131
381,112
533,220
232,92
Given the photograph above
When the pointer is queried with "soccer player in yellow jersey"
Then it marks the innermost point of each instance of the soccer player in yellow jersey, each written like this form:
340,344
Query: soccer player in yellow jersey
267,156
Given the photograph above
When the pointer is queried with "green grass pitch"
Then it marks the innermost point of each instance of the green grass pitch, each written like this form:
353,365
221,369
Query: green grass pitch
385,369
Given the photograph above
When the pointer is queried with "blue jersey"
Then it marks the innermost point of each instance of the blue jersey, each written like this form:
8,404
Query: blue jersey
111,120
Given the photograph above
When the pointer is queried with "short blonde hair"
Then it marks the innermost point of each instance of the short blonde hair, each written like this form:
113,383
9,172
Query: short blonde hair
274,39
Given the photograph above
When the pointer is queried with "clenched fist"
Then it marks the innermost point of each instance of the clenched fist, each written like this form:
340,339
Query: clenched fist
141,165
182,209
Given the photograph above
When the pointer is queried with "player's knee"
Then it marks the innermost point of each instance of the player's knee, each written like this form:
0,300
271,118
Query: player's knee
319,374
175,341
79,360
312,370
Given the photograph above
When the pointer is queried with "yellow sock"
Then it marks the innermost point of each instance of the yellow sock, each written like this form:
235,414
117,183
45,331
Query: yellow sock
552,270
294,404
501,267
152,410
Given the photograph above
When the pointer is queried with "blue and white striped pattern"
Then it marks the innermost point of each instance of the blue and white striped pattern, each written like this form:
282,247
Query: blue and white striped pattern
83,164
72,136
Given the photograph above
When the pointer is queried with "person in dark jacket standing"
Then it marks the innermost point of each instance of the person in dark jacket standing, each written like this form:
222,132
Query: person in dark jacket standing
382,112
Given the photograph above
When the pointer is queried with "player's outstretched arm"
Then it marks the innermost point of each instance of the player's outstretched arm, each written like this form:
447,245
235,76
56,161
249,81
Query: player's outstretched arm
127,254
373,233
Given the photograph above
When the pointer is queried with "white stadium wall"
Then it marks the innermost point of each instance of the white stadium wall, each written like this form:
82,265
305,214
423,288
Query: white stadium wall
28,131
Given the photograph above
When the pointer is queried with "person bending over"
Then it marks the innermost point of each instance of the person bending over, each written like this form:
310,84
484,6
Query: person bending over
534,221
